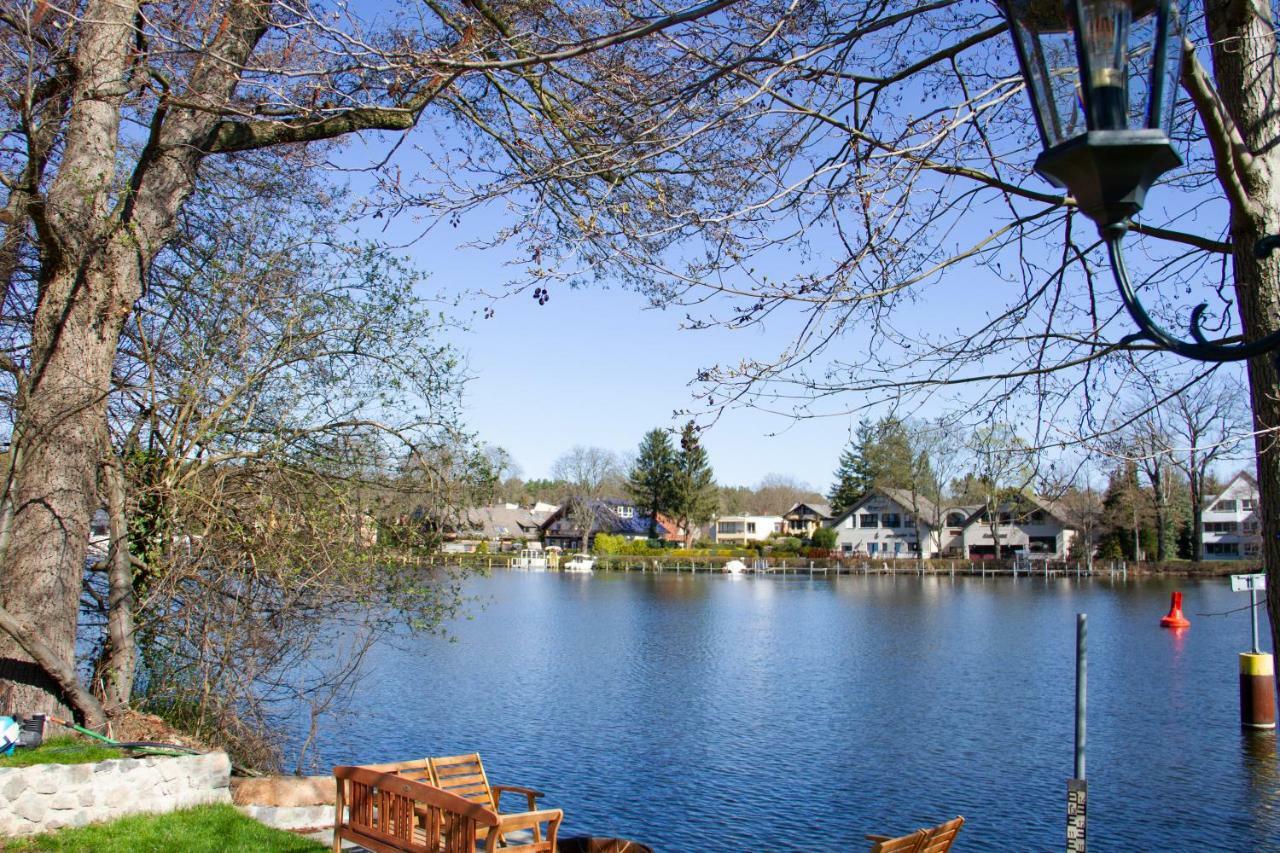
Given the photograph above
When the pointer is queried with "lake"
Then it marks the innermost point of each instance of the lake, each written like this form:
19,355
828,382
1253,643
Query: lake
716,713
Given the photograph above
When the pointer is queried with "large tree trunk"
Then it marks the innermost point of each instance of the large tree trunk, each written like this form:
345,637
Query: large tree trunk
56,439
1247,78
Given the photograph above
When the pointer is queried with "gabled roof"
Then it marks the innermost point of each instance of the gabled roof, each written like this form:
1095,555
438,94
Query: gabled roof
499,522
822,509
1052,508
560,522
900,497
1239,475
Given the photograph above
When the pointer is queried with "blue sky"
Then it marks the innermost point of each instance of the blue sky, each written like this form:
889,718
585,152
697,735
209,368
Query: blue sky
597,367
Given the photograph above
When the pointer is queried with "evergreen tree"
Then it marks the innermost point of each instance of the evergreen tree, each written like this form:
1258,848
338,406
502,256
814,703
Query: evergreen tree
697,496
652,481
880,454
854,477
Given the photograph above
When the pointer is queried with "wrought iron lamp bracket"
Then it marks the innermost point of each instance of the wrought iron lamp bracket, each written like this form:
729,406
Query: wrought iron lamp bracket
1199,347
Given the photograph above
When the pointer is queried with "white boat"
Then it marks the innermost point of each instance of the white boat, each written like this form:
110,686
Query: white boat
582,563
735,567
531,560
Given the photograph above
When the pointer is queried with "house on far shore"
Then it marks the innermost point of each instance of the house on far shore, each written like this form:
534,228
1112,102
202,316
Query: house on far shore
502,527
1230,522
1026,525
806,517
742,529
610,515
884,525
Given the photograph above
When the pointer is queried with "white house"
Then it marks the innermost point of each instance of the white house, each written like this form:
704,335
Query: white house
1026,525
1230,523
884,525
741,529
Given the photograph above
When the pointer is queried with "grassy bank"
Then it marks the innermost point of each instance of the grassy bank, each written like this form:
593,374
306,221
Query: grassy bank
207,829
64,749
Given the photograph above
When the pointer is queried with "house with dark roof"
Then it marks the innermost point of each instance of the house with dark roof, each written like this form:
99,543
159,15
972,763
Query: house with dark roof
805,517
613,516
503,527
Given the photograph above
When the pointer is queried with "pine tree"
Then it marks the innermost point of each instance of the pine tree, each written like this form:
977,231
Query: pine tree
854,477
652,481
697,496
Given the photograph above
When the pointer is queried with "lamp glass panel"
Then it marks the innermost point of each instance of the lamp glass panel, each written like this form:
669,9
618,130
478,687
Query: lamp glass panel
1168,65
1104,51
1048,56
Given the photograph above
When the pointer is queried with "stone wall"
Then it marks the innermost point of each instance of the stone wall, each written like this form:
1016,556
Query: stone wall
287,802
52,796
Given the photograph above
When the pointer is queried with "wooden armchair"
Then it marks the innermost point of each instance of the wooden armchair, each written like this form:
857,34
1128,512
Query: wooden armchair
464,776
389,813
936,839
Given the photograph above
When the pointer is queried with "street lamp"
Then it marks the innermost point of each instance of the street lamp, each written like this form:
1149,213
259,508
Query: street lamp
1102,76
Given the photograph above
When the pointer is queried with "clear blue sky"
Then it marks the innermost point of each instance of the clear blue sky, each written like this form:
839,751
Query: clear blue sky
597,367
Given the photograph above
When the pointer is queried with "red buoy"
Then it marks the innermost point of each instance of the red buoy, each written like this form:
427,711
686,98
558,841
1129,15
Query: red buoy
1175,619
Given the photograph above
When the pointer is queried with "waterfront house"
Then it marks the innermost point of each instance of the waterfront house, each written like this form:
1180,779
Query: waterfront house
615,517
742,529
892,523
883,525
1231,522
1025,524
806,517
502,527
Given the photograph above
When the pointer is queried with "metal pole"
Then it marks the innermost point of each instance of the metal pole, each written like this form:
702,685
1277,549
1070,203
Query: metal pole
1082,685
1253,613
1078,788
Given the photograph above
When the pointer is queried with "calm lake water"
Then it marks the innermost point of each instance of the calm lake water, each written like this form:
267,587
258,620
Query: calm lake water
748,714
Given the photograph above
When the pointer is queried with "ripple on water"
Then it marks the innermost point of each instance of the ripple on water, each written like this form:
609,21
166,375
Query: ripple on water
712,713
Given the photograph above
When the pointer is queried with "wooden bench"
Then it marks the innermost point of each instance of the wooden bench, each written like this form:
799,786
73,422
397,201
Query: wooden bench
937,839
390,812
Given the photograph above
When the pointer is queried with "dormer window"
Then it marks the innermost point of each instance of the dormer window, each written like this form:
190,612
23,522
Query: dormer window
625,511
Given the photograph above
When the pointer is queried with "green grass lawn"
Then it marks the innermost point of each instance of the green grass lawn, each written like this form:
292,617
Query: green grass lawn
64,749
206,829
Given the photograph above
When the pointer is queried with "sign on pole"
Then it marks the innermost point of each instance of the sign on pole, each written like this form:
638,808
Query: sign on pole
1247,583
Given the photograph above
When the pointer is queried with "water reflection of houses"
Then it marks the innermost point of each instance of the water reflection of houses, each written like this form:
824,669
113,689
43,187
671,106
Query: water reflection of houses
893,523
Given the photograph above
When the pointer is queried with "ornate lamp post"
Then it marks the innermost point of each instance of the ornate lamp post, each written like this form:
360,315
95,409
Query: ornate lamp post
1103,77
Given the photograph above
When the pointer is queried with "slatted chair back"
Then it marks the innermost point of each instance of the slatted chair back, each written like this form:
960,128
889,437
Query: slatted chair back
463,776
415,769
937,839
386,813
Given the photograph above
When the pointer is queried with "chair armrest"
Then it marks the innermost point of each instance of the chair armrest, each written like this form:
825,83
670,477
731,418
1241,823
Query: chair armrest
530,794
527,820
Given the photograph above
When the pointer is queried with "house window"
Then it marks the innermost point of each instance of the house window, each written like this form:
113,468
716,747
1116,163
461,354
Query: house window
1250,526
729,527
1220,527
1042,544
751,527
1252,549
1223,506
955,519
872,547
892,519
797,525
625,511
777,527
1222,549
846,548
869,519
1248,504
